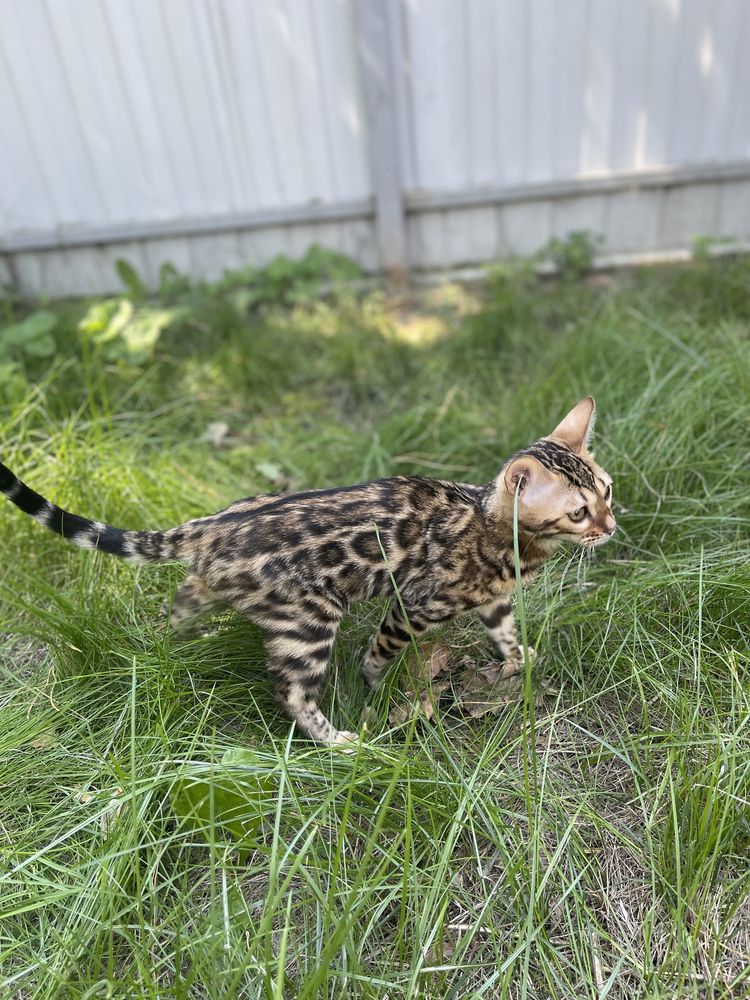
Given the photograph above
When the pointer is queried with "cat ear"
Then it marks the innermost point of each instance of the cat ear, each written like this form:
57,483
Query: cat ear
529,472
576,429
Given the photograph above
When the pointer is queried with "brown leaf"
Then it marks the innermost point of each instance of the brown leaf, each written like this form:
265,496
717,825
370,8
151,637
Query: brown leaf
422,671
44,740
422,706
431,666
479,688
440,951
487,687
477,697
216,433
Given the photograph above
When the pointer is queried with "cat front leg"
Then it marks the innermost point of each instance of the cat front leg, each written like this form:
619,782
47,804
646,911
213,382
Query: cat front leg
394,634
497,618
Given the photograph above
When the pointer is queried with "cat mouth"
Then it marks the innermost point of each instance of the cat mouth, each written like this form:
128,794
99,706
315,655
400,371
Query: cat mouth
592,543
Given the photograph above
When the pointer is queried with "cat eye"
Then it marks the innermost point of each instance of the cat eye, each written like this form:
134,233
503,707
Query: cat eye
578,515
608,493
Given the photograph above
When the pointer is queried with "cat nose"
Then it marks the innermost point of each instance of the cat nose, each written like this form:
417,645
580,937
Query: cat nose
610,525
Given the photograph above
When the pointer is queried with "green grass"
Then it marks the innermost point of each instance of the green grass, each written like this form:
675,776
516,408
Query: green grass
594,845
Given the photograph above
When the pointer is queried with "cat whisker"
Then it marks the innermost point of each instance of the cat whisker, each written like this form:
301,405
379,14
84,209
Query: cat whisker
580,572
566,569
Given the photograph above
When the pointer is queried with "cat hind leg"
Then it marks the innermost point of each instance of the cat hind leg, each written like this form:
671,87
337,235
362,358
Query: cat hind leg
193,600
497,618
299,655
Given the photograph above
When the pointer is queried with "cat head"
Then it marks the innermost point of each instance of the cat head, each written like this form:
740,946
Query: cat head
564,495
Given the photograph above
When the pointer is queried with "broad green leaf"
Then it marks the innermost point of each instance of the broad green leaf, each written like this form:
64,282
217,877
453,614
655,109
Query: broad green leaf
117,324
280,267
171,282
9,371
37,327
131,280
242,298
270,470
124,332
41,347
236,793
138,336
11,336
98,317
39,323
305,290
241,757
13,382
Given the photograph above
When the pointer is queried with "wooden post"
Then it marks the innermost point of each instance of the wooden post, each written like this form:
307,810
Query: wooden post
377,66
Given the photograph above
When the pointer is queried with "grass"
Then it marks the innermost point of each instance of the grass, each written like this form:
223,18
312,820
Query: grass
594,845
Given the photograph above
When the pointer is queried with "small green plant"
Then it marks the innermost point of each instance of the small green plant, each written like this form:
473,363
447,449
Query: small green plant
573,256
121,332
236,796
172,284
704,247
127,328
290,282
131,280
282,281
28,339
32,336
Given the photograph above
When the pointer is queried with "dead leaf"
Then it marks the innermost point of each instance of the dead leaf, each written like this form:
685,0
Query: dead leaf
271,471
429,667
422,705
422,672
440,952
216,433
483,688
477,696
479,688
112,810
44,740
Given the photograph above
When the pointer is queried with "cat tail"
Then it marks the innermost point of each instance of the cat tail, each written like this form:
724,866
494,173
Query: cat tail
136,546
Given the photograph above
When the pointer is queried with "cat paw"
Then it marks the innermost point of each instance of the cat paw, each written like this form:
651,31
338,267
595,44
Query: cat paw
510,668
515,664
345,741
372,674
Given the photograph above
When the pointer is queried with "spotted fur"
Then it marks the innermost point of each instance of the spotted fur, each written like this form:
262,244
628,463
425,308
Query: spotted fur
294,563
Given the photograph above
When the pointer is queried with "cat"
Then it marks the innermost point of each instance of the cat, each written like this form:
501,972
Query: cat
295,562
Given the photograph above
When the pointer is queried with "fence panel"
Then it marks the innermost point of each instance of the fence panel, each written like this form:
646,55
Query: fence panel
134,111
418,133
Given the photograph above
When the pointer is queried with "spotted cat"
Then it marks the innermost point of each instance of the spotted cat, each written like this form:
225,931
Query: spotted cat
294,563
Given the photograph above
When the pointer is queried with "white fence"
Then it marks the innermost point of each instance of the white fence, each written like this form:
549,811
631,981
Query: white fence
406,133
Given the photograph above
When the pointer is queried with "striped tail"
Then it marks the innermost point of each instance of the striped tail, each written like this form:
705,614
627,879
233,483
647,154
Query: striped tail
137,546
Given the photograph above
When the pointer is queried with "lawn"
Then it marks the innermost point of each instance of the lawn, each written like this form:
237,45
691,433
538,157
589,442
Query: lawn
164,833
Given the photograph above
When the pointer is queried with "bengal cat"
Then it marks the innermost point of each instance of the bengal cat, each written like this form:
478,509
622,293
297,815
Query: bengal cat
294,563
